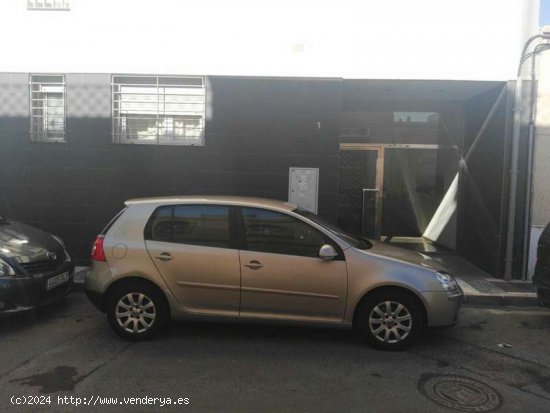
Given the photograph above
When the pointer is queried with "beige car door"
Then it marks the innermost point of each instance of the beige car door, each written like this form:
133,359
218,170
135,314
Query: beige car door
282,275
190,246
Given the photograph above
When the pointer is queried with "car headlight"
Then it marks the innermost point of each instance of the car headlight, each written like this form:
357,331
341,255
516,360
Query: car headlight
59,240
447,281
6,270
67,256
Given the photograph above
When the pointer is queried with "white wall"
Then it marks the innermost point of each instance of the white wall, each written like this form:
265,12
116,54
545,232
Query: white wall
540,201
541,152
406,39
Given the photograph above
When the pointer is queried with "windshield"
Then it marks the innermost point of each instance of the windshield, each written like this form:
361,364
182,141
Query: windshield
356,242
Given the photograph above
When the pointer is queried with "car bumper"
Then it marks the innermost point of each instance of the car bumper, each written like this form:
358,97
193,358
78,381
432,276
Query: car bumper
22,294
442,308
96,282
95,298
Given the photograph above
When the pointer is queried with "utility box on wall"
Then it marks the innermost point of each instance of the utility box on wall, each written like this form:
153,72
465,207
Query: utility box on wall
303,188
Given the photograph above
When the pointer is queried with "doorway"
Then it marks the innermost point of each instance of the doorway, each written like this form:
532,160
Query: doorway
390,190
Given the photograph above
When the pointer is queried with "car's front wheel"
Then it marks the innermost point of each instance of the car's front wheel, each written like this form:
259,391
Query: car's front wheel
137,311
390,320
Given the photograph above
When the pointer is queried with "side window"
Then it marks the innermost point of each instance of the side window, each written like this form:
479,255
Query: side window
206,225
159,227
278,233
202,225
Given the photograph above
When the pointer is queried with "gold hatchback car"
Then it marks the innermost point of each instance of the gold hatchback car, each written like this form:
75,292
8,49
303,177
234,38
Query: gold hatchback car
163,259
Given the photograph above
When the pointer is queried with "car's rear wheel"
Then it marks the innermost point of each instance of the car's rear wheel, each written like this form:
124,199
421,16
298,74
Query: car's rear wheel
390,319
137,311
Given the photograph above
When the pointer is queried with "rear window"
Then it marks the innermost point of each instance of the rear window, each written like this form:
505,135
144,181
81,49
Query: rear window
111,223
206,225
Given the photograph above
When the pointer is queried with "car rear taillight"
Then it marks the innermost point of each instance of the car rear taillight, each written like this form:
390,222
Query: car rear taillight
97,249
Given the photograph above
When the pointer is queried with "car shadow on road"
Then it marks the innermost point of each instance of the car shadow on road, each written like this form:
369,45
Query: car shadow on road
64,308
238,332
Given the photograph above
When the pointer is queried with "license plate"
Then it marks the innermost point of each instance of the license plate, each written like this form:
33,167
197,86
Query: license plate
57,280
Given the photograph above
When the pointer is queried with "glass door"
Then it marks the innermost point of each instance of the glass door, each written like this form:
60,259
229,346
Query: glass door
415,182
360,190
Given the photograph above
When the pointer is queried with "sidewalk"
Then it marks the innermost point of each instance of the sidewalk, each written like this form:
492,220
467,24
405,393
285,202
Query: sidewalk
479,287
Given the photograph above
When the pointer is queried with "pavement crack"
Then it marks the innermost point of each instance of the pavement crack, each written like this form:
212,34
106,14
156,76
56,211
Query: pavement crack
24,363
85,376
500,353
531,372
37,355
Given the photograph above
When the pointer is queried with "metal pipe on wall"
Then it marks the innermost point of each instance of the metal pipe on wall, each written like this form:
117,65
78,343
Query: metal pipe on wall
530,149
512,200
529,177
514,166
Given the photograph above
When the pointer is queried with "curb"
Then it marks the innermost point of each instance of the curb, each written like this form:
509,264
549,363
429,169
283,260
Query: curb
523,300
474,297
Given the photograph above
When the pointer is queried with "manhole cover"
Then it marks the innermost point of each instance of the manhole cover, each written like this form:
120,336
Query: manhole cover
460,393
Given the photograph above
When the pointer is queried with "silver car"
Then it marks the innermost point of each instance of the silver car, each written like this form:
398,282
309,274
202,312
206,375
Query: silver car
163,259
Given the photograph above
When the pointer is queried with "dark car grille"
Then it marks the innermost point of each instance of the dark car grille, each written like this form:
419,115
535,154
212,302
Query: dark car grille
42,266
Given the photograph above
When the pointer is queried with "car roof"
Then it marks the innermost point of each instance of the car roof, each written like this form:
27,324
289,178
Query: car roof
216,199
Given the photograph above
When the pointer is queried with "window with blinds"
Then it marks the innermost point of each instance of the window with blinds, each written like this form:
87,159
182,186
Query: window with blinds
47,108
166,110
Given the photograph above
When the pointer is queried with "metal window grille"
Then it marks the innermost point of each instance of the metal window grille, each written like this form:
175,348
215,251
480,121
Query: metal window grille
47,108
167,110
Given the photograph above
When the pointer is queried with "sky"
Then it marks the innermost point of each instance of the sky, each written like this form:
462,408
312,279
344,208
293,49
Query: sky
544,17
397,39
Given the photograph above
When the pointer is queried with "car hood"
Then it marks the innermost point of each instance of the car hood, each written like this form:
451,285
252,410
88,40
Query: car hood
411,257
25,243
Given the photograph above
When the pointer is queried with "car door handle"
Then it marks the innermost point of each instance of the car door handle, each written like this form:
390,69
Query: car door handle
254,265
164,256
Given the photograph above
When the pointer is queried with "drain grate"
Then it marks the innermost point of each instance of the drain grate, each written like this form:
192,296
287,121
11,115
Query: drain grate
484,286
488,286
515,287
459,393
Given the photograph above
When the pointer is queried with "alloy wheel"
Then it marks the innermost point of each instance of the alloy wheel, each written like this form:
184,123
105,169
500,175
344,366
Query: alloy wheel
390,322
135,312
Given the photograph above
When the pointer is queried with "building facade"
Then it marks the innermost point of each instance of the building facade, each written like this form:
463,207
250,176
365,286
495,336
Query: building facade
133,108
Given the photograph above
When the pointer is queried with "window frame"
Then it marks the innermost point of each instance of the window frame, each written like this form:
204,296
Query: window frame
42,136
119,137
233,239
241,233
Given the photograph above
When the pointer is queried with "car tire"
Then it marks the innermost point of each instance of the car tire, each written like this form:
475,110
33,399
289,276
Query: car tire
390,320
137,311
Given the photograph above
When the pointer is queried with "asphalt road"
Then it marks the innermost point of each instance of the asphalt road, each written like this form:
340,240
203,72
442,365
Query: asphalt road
69,350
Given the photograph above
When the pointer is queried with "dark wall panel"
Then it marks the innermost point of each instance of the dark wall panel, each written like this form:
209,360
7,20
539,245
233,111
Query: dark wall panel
481,230
256,129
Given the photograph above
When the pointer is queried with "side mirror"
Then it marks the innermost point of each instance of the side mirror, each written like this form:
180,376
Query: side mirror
327,252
